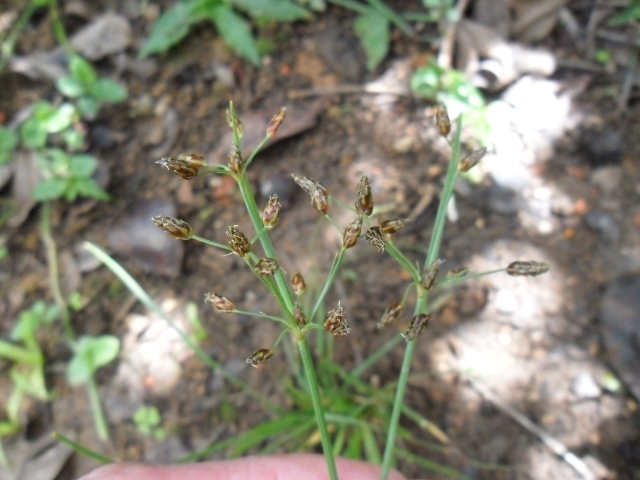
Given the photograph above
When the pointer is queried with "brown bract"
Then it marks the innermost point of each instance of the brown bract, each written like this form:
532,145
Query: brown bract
375,237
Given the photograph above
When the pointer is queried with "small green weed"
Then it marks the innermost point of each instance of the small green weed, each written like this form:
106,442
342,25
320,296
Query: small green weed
147,420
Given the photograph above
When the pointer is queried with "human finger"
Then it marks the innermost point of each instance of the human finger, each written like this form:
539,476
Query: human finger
276,467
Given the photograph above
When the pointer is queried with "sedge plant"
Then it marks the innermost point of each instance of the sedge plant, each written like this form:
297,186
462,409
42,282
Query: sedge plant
298,318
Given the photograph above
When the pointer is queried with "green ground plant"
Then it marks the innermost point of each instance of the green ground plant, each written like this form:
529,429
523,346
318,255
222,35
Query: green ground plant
334,408
230,18
147,420
54,134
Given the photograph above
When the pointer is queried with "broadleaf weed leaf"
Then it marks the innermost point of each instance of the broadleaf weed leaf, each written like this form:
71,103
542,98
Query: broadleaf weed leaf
373,29
82,71
172,26
279,10
70,86
236,32
108,90
90,354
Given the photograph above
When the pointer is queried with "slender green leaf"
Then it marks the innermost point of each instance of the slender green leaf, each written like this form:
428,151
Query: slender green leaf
49,189
236,33
265,431
373,29
280,10
354,445
82,70
70,86
108,90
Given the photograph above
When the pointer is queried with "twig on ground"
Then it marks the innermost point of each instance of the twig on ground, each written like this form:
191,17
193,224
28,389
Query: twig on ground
552,443
373,88
445,54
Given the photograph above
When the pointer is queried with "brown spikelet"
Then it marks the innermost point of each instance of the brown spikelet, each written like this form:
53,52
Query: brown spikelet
392,312
351,233
174,227
429,274
375,237
527,268
417,325
442,120
275,122
260,356
392,226
364,197
298,283
238,241
335,323
221,303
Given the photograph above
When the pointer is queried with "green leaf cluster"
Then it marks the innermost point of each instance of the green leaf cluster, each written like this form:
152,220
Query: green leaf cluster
175,23
68,176
84,84
8,142
27,372
147,420
91,353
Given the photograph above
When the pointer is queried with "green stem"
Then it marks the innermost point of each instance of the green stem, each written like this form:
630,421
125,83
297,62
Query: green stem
248,161
58,28
305,354
335,268
265,241
267,246
211,242
98,414
10,42
421,304
261,315
470,276
17,354
52,260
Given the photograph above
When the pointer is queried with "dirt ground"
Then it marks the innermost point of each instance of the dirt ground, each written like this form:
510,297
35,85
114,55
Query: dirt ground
501,348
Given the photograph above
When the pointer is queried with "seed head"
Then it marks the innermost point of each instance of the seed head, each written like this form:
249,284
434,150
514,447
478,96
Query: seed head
442,120
364,197
181,167
221,303
527,268
335,322
375,237
174,227
236,163
352,232
266,267
307,184
392,226
271,213
417,325
319,202
429,274
260,356
297,282
392,312
275,122
239,124
238,241
299,316
192,158
471,160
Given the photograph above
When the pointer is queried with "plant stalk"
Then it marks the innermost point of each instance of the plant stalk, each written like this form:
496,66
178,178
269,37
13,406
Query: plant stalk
421,304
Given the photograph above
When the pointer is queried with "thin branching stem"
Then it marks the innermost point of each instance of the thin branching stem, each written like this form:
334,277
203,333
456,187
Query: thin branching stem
211,242
421,304
335,268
